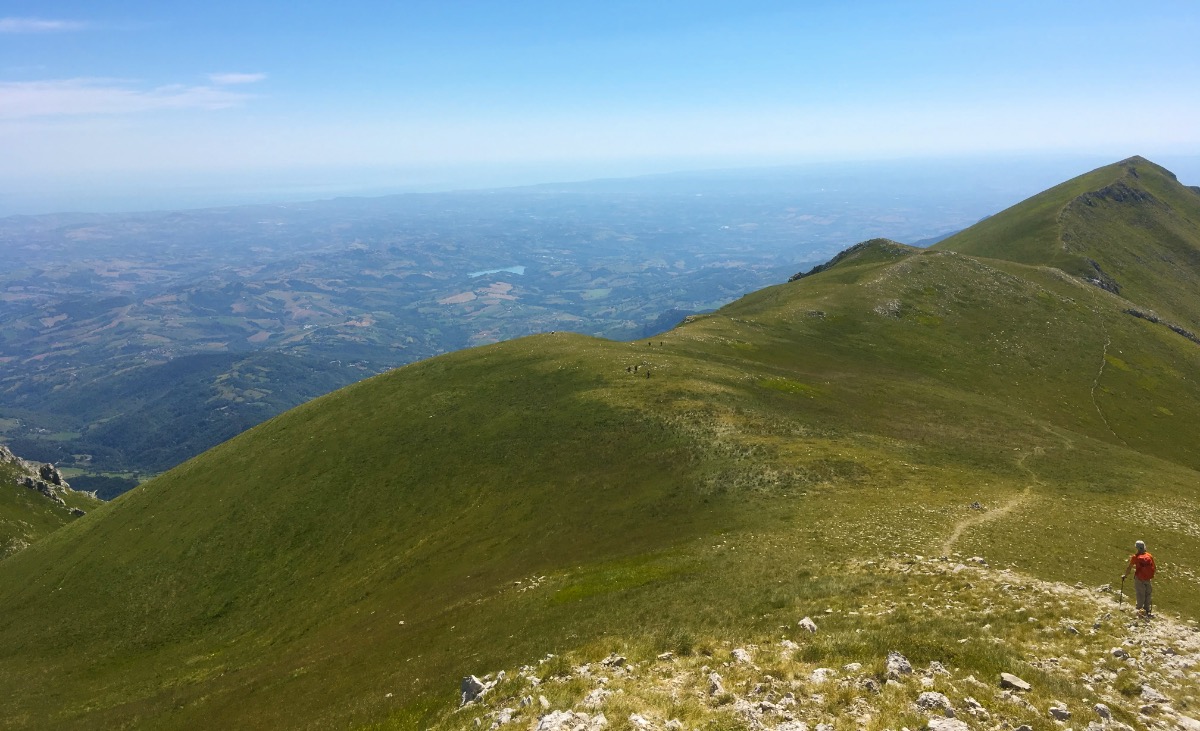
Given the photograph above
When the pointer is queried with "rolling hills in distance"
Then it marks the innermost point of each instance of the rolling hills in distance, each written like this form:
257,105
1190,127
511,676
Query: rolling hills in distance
562,508
131,342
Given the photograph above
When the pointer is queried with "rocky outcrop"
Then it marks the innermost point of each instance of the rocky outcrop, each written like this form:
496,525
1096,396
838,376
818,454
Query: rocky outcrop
44,478
1151,316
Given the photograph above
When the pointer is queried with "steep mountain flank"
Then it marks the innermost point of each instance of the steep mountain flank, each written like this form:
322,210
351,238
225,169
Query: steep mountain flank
348,562
1131,228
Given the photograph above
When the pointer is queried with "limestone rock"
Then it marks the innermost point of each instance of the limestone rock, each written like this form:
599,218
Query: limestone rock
1059,712
1012,682
471,688
571,721
49,473
640,722
976,709
897,665
946,724
715,687
808,625
930,701
595,698
740,655
1150,695
1102,711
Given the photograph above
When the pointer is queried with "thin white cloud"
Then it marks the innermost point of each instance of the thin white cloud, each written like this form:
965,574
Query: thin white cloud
76,97
235,78
38,25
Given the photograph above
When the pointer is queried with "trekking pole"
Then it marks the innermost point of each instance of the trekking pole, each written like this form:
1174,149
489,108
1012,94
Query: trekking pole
1122,600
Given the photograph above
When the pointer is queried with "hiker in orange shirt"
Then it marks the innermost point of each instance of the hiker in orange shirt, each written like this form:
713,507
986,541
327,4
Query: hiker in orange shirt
1142,564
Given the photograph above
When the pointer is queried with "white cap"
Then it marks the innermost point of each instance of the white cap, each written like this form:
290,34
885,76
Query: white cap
1139,545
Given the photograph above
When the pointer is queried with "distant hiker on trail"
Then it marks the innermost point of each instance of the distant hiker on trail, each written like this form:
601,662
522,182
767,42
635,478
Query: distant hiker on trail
1142,564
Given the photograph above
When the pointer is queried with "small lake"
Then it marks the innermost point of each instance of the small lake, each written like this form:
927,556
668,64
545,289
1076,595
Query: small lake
511,270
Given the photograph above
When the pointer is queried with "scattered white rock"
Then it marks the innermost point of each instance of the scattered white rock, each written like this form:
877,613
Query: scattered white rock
472,688
820,675
571,721
976,709
807,625
640,722
595,698
1012,682
1102,711
740,655
897,665
930,701
714,684
946,724
789,645
1059,712
1187,723
1119,653
852,667
1150,695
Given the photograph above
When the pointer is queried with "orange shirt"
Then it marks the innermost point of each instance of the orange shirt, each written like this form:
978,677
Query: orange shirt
1143,565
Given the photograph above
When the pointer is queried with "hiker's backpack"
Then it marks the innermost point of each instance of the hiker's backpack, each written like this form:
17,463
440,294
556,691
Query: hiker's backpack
1145,566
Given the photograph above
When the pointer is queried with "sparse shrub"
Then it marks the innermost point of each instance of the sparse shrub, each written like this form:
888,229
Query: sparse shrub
556,667
683,644
1128,685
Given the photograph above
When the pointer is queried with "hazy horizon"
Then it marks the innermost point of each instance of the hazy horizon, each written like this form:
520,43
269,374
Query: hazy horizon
1018,175
145,105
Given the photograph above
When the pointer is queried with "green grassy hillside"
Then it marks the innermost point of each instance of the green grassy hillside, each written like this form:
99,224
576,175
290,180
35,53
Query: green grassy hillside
1130,226
346,563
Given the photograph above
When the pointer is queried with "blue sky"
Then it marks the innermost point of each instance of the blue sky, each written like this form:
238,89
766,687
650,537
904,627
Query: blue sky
136,93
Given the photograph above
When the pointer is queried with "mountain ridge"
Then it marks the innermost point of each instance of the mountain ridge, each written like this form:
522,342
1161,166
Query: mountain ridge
346,562
1129,227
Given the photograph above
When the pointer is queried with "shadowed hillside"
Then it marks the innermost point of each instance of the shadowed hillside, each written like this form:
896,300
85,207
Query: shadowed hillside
346,563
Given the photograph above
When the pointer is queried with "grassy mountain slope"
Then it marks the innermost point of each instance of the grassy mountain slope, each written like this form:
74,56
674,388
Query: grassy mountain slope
1130,226
347,562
